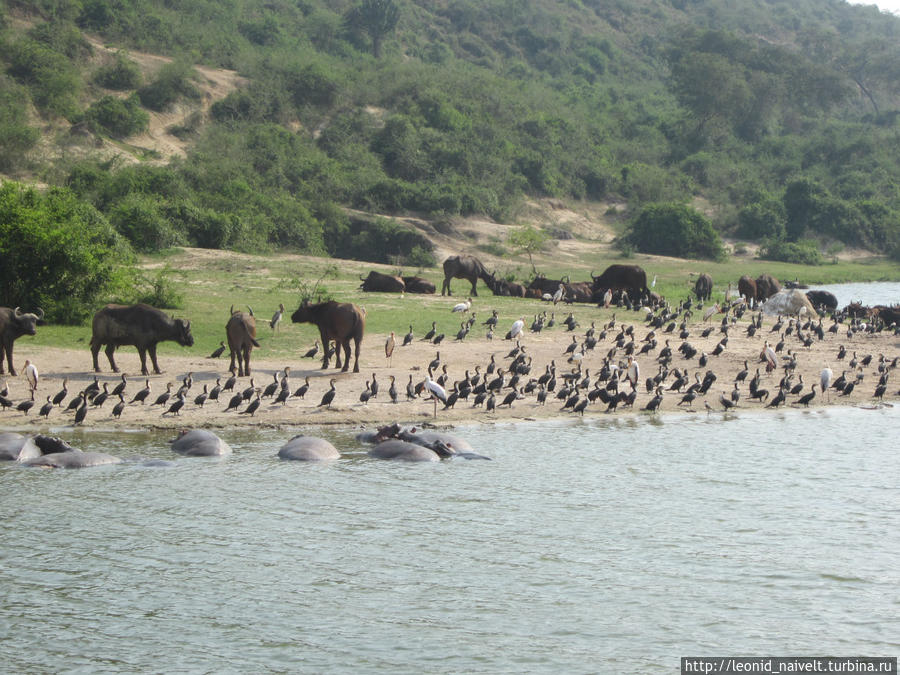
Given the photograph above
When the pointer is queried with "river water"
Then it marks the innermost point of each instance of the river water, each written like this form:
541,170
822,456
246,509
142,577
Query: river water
868,293
605,545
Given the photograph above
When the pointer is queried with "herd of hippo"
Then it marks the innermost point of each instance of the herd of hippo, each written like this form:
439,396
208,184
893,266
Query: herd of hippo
392,442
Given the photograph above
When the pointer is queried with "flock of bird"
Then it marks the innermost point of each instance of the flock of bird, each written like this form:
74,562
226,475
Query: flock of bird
599,367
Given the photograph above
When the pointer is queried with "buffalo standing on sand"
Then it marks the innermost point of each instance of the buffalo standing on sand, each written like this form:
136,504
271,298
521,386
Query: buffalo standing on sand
241,332
14,324
140,325
337,321
703,287
747,289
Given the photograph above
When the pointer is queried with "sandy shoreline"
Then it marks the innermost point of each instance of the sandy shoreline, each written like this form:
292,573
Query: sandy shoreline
346,410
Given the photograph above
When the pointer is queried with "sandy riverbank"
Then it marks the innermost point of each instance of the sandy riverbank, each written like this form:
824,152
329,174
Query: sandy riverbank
346,409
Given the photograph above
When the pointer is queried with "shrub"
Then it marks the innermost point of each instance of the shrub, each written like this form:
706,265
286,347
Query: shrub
160,290
58,253
800,252
676,230
118,117
172,82
138,218
122,74
761,220
16,137
52,79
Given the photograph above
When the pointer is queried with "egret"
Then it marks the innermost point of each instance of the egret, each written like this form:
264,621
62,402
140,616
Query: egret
462,306
560,294
825,378
607,297
31,374
389,348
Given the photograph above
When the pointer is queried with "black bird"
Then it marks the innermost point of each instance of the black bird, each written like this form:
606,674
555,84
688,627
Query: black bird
176,406
490,404
100,398
408,338
410,389
230,382
74,403
93,388
283,396
374,387
430,334
727,403
311,353
777,400
81,413
46,408
215,391
392,390
120,388
272,387
25,406
655,402
437,339
366,395
253,407
218,352
302,389
202,397
119,407
328,397
143,393
62,393
163,398
249,391
806,398
509,398
235,401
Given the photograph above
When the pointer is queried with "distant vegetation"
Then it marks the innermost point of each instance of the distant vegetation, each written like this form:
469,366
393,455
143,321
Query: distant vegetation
782,117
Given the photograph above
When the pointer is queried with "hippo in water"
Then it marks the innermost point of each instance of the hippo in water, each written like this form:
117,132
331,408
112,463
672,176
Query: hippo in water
200,443
54,453
405,451
308,449
451,444
11,446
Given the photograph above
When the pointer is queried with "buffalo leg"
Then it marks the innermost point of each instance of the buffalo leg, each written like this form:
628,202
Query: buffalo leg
152,349
345,345
325,343
95,352
445,287
246,357
110,352
356,360
474,290
142,352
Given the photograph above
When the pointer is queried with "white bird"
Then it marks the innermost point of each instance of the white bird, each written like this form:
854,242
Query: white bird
31,374
517,328
633,372
769,354
653,283
825,378
712,310
438,393
560,294
463,306
607,297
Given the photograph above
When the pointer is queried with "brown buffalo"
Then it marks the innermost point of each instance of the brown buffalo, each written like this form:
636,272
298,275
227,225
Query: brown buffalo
545,285
766,287
418,285
140,325
889,315
382,283
241,332
14,324
338,321
579,291
747,289
464,267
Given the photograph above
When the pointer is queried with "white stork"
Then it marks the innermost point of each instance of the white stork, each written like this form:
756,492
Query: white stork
462,306
633,372
825,377
31,374
607,297
438,393
709,312
517,328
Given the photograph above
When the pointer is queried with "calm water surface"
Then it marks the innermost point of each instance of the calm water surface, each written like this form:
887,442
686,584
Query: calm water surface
608,545
870,293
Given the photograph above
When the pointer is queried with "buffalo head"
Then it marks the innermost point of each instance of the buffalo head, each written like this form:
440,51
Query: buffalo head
185,339
27,321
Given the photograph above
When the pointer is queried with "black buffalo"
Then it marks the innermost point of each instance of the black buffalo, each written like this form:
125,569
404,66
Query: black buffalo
579,291
140,325
821,299
747,289
545,285
241,333
14,324
464,267
338,321
629,278
382,283
418,285
703,287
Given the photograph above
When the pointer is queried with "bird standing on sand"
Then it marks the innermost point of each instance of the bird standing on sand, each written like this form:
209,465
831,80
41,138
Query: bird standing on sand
218,351
31,375
328,397
311,353
389,348
825,378
438,393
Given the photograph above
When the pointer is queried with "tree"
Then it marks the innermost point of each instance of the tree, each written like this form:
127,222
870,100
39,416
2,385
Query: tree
58,253
676,230
375,17
527,240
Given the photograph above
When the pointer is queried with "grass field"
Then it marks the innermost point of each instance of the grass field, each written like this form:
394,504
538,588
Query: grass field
211,281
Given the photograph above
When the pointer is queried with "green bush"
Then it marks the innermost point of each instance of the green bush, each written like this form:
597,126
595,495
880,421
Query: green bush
798,252
761,220
172,83
118,117
676,230
138,218
160,290
52,79
122,74
58,253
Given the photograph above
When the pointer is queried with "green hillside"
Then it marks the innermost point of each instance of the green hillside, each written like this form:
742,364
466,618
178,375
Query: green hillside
778,119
